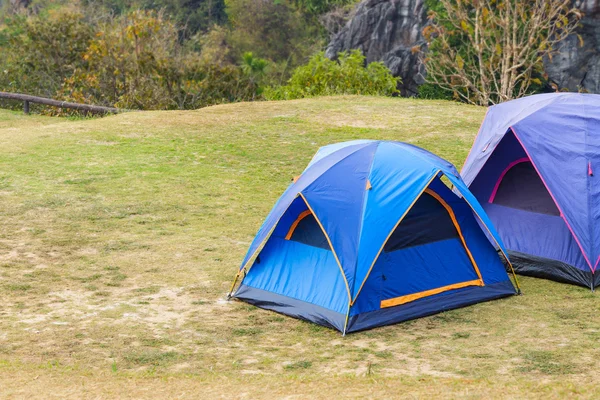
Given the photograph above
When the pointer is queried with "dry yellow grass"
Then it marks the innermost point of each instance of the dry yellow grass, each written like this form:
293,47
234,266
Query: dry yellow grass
119,238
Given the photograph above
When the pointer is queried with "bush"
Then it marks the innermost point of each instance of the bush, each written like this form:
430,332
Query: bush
325,77
37,54
274,30
320,7
432,91
137,62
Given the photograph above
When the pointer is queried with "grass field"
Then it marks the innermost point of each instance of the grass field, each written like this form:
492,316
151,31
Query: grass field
120,236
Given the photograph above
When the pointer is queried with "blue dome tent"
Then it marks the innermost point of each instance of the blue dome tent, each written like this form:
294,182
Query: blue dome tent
533,168
370,235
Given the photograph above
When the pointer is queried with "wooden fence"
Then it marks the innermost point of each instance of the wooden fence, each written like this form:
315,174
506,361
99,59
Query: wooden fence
26,99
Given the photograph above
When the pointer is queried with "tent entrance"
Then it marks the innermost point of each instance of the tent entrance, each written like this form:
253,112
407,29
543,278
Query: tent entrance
426,254
519,186
305,229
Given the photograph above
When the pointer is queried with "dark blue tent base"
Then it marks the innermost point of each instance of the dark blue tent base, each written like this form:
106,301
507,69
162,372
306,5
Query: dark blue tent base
292,307
546,268
386,316
431,305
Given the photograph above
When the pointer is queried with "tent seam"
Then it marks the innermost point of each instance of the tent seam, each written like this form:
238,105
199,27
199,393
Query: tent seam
554,199
589,183
503,174
288,206
258,249
493,237
392,231
360,230
557,98
330,245
423,157
362,218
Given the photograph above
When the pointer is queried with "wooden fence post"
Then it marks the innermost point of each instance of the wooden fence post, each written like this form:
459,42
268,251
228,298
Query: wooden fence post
26,99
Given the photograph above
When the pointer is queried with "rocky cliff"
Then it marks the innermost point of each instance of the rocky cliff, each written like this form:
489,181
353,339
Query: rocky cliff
18,4
577,67
390,31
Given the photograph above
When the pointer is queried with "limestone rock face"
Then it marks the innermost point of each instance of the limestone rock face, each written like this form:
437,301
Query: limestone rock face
391,31
18,4
388,31
577,67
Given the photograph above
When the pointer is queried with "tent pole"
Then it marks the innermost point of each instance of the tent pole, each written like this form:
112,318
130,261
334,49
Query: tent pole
347,317
233,285
514,275
495,240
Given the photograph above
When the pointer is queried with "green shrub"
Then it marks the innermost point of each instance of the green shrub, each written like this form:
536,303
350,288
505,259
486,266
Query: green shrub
325,77
320,7
137,62
432,91
38,53
134,61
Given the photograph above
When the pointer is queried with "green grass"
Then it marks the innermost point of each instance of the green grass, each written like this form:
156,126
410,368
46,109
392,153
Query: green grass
120,237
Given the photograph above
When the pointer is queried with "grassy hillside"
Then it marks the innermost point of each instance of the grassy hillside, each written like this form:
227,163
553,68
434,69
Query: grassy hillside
119,238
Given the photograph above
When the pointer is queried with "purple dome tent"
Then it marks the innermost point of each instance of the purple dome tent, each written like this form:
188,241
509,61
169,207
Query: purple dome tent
534,167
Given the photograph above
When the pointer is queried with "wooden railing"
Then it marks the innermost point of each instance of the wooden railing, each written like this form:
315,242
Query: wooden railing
26,99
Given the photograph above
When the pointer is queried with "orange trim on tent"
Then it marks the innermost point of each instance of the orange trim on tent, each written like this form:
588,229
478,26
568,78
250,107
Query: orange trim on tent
388,237
455,222
500,247
258,249
302,215
396,301
415,296
330,245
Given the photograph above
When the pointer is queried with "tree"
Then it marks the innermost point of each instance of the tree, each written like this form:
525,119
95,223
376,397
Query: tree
190,16
37,54
254,69
270,29
136,61
490,51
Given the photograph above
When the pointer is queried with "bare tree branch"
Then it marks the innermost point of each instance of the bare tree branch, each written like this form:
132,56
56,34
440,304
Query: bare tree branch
489,51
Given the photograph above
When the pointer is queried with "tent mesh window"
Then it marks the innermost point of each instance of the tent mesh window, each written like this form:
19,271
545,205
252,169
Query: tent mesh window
309,232
426,222
523,189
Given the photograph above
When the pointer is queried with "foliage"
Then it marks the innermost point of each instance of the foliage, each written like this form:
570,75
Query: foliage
325,77
274,30
191,15
254,69
319,7
489,51
137,62
128,64
253,66
39,53
336,19
127,54
434,92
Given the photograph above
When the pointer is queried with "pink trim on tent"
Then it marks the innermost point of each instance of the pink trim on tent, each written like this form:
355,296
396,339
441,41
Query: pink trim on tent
596,265
553,198
512,164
